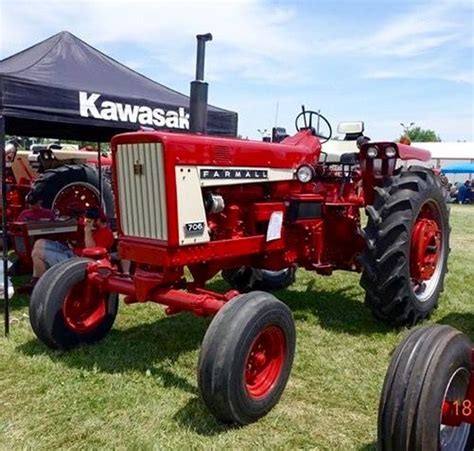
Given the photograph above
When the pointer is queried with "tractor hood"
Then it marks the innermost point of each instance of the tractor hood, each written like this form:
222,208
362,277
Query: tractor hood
191,149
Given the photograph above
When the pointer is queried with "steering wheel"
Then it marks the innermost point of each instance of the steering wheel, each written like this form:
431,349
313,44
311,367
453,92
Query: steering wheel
312,120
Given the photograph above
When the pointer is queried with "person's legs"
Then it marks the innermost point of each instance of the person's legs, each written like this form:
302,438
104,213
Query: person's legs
54,252
37,255
39,266
45,253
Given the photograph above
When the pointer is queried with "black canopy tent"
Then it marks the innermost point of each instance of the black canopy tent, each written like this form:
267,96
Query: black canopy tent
64,88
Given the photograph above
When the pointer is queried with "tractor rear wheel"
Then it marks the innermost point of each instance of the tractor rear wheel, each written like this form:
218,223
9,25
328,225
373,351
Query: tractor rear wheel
246,357
65,311
431,367
405,259
246,278
71,189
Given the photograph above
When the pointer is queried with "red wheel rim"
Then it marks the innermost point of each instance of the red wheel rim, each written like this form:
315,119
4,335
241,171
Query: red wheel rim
426,251
76,197
453,435
264,362
84,308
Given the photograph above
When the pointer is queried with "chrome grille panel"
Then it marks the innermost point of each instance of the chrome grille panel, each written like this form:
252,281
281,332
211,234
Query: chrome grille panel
141,190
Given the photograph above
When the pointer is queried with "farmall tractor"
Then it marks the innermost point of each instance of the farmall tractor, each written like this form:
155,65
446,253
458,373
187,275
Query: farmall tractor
427,401
255,211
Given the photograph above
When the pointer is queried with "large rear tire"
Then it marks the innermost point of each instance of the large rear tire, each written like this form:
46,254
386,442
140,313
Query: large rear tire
246,278
431,365
65,312
246,357
405,259
71,189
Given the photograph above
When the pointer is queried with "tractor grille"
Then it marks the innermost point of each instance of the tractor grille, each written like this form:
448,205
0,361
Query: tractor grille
141,190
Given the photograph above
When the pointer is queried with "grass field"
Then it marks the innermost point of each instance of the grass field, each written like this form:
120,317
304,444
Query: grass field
137,389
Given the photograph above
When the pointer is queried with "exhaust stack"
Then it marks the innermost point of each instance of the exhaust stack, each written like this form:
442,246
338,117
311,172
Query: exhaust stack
199,88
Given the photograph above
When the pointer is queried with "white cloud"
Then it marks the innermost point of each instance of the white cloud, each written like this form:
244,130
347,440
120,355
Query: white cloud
247,32
425,27
461,77
436,69
254,39
260,43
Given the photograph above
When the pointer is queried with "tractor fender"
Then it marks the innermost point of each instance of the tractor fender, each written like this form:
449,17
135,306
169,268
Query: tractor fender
403,151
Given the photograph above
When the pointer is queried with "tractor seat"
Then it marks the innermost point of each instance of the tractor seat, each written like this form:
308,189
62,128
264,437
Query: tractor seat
335,149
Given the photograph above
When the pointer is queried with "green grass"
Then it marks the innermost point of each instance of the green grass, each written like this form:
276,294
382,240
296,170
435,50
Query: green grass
137,389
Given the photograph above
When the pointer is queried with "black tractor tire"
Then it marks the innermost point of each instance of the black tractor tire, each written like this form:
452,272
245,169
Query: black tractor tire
386,277
47,315
49,184
41,291
432,364
237,382
246,278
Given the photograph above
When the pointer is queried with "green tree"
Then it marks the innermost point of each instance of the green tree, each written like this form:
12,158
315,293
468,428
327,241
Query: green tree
418,134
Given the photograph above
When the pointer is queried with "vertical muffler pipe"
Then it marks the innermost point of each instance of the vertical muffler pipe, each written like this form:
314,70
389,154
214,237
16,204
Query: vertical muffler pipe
198,99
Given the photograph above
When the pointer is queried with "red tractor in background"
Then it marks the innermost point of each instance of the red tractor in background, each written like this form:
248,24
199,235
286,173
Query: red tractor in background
255,211
427,401
65,176
66,179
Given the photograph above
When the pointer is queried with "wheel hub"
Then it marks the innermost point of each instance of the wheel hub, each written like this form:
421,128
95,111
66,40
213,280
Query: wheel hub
425,248
84,308
453,434
264,362
260,359
75,198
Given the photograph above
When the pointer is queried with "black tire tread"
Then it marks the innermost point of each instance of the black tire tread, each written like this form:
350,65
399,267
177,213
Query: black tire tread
219,349
413,378
41,292
385,260
45,308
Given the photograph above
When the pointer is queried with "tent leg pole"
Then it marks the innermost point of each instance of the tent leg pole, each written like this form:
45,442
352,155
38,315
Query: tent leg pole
4,227
99,162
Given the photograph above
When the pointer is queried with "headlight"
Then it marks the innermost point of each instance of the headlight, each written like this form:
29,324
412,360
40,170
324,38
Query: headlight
372,152
390,152
305,174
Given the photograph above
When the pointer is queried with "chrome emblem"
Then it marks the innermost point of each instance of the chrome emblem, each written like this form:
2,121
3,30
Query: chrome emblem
138,168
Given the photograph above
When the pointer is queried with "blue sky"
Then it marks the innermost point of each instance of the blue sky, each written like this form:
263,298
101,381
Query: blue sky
383,62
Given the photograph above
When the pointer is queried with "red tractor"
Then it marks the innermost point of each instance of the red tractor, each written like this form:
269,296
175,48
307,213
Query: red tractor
65,176
255,211
427,401
66,179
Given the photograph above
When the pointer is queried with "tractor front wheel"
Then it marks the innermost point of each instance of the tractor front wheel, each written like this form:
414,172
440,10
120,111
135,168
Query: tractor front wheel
66,311
429,369
407,245
246,357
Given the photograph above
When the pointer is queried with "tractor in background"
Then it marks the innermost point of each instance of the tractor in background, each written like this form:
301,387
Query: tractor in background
257,211
66,178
